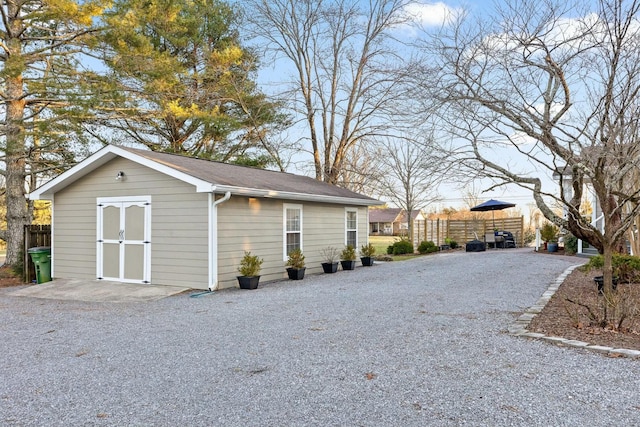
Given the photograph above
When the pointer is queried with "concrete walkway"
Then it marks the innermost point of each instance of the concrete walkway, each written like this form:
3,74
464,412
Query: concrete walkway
97,291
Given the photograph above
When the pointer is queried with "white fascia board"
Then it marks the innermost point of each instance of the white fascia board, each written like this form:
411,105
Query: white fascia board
304,197
101,157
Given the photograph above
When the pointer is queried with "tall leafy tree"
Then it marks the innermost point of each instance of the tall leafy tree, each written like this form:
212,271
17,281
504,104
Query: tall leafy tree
185,83
39,46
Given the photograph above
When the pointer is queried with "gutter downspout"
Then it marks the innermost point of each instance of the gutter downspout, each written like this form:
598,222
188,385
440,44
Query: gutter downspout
213,238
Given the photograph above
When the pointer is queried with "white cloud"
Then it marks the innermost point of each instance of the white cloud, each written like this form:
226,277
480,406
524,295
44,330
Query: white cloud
432,14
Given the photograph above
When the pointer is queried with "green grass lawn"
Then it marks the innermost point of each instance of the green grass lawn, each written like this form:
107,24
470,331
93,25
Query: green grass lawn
381,243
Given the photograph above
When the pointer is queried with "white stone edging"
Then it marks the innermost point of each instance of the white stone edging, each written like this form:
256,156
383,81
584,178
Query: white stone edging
519,327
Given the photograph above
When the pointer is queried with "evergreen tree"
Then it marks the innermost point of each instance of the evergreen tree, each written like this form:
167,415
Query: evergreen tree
185,83
39,80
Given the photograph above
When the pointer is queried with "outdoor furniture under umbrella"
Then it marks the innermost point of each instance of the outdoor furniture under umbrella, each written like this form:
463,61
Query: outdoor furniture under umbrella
492,205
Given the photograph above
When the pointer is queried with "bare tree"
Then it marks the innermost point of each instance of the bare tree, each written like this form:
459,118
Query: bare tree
411,175
536,91
363,166
347,69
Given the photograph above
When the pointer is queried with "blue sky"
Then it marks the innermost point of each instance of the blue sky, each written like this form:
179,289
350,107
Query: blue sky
429,15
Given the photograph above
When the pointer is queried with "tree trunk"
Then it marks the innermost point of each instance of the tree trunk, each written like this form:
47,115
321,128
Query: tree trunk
17,212
607,272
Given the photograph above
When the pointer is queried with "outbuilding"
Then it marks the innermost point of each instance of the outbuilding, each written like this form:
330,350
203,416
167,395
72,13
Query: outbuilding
139,216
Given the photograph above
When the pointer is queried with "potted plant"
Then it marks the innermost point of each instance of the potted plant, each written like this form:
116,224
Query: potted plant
330,256
295,265
249,269
549,234
366,254
348,258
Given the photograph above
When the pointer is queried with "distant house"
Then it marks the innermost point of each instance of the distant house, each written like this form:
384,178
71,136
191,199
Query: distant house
391,221
143,217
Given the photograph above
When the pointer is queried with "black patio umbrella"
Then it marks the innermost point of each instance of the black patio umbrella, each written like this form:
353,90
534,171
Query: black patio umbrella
492,205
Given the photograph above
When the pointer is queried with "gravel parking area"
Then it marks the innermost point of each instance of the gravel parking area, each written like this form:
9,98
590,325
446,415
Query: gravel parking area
414,343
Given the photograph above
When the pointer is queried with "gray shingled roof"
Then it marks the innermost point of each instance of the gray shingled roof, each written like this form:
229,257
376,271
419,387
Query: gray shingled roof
223,174
390,215
383,215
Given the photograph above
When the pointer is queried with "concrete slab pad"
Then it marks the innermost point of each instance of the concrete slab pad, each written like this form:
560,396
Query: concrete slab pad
98,291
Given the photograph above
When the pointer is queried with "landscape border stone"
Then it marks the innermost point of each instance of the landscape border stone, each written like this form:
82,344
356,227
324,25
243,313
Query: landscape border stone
520,327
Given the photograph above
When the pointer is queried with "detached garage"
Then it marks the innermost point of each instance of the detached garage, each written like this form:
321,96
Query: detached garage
143,217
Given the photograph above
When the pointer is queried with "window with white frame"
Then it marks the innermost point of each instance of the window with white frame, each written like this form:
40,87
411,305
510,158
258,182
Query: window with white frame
292,228
351,227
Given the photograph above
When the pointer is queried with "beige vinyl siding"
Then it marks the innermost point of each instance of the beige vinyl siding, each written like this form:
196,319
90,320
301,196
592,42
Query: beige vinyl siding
256,225
179,224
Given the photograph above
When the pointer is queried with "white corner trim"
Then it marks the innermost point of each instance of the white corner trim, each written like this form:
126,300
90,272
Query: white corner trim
213,238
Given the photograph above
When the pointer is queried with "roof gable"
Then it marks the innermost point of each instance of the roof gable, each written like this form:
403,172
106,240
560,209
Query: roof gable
209,176
393,215
384,215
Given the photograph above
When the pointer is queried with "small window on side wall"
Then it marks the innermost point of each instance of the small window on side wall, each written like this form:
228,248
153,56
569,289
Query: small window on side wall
292,227
351,227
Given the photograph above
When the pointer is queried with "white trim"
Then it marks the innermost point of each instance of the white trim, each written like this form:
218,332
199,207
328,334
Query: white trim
213,238
285,207
123,202
99,158
303,197
53,258
212,241
346,225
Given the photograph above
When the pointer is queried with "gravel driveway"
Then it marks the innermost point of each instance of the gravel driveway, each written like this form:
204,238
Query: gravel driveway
415,343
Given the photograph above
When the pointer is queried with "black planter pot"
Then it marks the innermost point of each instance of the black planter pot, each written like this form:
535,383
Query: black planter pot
248,282
367,261
600,282
348,265
329,267
296,273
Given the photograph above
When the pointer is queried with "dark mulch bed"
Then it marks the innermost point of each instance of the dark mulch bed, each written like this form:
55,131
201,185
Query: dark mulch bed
563,318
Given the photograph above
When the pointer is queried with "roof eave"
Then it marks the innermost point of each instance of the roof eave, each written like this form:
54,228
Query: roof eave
285,195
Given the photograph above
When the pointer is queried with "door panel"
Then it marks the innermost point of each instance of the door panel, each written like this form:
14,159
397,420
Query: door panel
134,262
134,222
124,239
111,223
111,260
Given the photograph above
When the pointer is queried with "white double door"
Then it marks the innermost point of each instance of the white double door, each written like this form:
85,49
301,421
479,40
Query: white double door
124,239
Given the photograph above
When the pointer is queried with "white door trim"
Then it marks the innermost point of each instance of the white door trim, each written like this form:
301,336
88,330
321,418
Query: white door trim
122,203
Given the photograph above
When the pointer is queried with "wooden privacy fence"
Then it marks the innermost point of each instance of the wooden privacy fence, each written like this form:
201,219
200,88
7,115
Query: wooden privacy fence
465,230
34,235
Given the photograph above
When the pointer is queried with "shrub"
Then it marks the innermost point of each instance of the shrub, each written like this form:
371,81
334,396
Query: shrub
250,265
427,247
529,236
625,267
296,259
367,250
330,254
549,232
400,248
452,243
348,253
570,244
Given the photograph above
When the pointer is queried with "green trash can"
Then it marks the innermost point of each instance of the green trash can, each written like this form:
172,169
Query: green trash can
41,257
